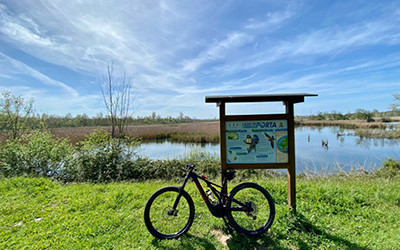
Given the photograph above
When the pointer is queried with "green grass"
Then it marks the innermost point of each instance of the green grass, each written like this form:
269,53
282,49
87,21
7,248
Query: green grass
333,213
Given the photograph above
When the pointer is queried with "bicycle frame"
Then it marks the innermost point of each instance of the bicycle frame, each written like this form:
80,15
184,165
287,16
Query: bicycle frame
217,209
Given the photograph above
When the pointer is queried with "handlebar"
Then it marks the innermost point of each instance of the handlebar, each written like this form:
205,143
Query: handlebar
189,167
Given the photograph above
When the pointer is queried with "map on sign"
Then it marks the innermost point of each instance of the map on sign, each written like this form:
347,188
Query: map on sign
256,142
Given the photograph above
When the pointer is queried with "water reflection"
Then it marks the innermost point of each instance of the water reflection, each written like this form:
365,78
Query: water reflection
340,150
163,149
325,144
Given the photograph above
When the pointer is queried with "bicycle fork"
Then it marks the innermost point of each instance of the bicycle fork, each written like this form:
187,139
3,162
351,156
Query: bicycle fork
174,211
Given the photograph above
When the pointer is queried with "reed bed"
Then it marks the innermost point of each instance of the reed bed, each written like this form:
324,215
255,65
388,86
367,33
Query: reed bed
378,133
185,132
350,124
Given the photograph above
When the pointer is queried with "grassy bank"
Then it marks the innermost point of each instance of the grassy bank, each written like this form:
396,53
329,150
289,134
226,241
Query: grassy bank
334,213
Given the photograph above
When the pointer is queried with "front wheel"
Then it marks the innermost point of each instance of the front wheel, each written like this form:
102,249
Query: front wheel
169,213
250,209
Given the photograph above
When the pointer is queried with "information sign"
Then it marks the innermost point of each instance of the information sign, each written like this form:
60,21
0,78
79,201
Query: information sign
257,142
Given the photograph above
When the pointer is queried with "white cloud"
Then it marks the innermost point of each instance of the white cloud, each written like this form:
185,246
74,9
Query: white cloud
331,41
24,29
217,50
272,20
23,69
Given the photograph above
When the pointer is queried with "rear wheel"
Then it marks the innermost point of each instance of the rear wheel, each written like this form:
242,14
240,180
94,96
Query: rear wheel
163,220
250,209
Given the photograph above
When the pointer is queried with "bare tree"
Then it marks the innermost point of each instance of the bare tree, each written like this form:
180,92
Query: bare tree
117,97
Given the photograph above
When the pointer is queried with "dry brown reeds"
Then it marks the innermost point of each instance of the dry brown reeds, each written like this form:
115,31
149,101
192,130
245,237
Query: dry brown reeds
350,124
189,132
378,133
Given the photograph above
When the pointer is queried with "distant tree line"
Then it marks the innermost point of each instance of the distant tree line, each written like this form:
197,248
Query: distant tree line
53,121
17,115
32,121
360,114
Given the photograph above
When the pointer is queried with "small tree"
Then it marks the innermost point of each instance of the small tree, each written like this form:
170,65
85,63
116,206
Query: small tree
362,114
116,92
15,114
395,106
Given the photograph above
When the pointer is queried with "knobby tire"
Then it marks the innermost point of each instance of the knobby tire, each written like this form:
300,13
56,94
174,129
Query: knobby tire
259,206
159,217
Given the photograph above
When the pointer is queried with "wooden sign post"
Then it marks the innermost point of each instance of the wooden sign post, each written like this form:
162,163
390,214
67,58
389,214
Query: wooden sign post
259,141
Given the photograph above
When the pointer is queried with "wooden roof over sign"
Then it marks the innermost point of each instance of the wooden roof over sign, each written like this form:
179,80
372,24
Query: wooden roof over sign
294,98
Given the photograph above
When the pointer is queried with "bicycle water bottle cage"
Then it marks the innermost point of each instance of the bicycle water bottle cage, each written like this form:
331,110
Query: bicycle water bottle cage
230,175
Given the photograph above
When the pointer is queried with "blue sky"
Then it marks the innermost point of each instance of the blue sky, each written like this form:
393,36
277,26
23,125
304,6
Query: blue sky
178,52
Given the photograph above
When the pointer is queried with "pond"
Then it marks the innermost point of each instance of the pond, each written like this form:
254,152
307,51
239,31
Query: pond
325,149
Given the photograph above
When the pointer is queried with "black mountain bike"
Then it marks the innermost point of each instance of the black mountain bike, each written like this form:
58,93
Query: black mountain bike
249,208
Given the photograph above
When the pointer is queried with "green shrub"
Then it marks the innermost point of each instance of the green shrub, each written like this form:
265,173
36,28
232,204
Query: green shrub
34,154
100,158
11,158
207,163
171,169
390,168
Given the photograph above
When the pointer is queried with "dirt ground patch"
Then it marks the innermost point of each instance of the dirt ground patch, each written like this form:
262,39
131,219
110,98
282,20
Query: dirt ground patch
221,236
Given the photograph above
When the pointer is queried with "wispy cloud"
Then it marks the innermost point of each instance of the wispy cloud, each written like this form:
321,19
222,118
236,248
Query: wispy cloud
245,35
272,20
217,50
23,69
323,42
22,28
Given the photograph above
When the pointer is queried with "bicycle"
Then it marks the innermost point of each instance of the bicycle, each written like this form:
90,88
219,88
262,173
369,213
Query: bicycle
249,208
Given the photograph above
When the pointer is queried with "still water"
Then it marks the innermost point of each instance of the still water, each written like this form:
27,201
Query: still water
317,150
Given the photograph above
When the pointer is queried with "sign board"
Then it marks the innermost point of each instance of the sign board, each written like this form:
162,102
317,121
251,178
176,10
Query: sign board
257,142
